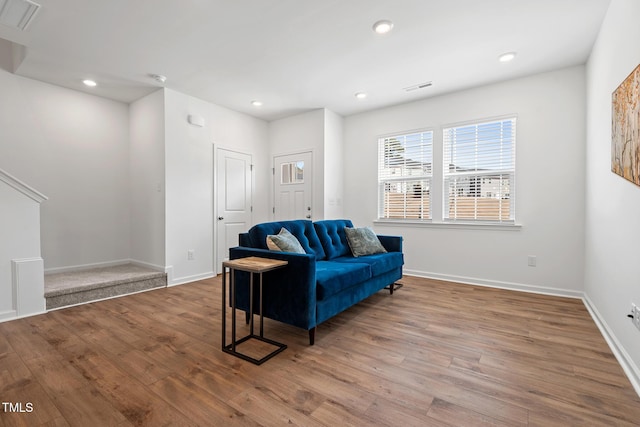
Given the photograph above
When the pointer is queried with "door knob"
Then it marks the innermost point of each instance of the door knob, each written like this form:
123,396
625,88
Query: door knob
220,218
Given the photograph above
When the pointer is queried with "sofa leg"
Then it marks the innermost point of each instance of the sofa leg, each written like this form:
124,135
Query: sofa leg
392,287
312,336
247,318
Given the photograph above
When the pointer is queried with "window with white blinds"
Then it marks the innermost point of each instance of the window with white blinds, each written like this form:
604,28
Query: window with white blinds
479,171
404,176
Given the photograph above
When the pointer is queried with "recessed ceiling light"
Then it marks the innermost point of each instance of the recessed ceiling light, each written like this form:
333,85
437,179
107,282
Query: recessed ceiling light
506,57
361,95
90,83
256,103
383,26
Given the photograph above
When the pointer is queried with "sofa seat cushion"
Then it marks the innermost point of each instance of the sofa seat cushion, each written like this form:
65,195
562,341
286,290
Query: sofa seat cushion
379,263
333,277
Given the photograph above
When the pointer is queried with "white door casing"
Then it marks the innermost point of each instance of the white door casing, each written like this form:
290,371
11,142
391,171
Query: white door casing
233,200
293,179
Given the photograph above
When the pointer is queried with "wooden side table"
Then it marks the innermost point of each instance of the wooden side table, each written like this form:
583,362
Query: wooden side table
253,266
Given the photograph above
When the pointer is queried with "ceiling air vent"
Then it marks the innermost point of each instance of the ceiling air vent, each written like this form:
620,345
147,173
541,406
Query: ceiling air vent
17,13
416,87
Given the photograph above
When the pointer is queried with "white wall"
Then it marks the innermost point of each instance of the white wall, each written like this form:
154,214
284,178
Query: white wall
74,148
102,162
147,172
612,269
549,156
333,165
189,178
302,132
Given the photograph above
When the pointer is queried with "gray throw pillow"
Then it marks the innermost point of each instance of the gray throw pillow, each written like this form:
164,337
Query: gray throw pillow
284,241
363,241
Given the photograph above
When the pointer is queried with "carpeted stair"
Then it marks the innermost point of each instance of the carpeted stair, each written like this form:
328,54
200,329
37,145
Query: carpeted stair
76,287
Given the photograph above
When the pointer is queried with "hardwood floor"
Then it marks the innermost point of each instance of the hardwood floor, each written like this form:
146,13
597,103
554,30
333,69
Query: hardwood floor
433,354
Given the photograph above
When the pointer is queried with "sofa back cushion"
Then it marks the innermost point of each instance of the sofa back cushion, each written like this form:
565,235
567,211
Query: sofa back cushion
302,229
332,236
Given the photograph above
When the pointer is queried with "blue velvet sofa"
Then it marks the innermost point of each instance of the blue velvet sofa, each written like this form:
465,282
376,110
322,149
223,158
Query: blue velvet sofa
320,283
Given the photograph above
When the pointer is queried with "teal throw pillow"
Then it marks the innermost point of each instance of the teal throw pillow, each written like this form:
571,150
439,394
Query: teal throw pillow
363,241
284,241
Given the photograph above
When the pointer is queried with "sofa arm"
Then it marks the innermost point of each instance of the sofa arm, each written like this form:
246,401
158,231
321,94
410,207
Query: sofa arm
391,243
289,292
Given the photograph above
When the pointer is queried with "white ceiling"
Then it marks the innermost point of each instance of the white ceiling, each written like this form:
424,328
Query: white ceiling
297,55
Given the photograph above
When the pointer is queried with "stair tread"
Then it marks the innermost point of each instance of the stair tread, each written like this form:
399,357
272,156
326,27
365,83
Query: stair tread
95,278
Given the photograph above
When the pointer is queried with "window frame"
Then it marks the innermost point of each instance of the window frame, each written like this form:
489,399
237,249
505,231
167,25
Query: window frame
480,174
423,179
438,191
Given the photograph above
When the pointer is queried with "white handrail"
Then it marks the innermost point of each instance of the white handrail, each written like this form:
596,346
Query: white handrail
25,189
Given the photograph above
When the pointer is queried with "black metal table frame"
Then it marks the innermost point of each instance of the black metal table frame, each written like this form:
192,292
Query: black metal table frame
231,348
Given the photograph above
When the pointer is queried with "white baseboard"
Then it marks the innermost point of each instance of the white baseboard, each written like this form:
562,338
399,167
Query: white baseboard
629,367
86,266
148,265
189,279
497,284
14,315
7,315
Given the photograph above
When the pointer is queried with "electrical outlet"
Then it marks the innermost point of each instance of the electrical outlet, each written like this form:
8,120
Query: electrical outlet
532,260
635,312
191,255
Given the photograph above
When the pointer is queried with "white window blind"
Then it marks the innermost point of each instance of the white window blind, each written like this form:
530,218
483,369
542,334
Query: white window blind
404,176
479,171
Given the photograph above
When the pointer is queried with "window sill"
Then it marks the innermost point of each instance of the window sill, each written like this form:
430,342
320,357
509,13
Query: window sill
453,225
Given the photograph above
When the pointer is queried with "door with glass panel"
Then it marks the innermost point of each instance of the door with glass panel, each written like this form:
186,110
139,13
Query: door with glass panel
292,186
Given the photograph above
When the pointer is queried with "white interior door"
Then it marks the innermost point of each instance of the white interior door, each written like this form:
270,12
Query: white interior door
234,198
293,177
